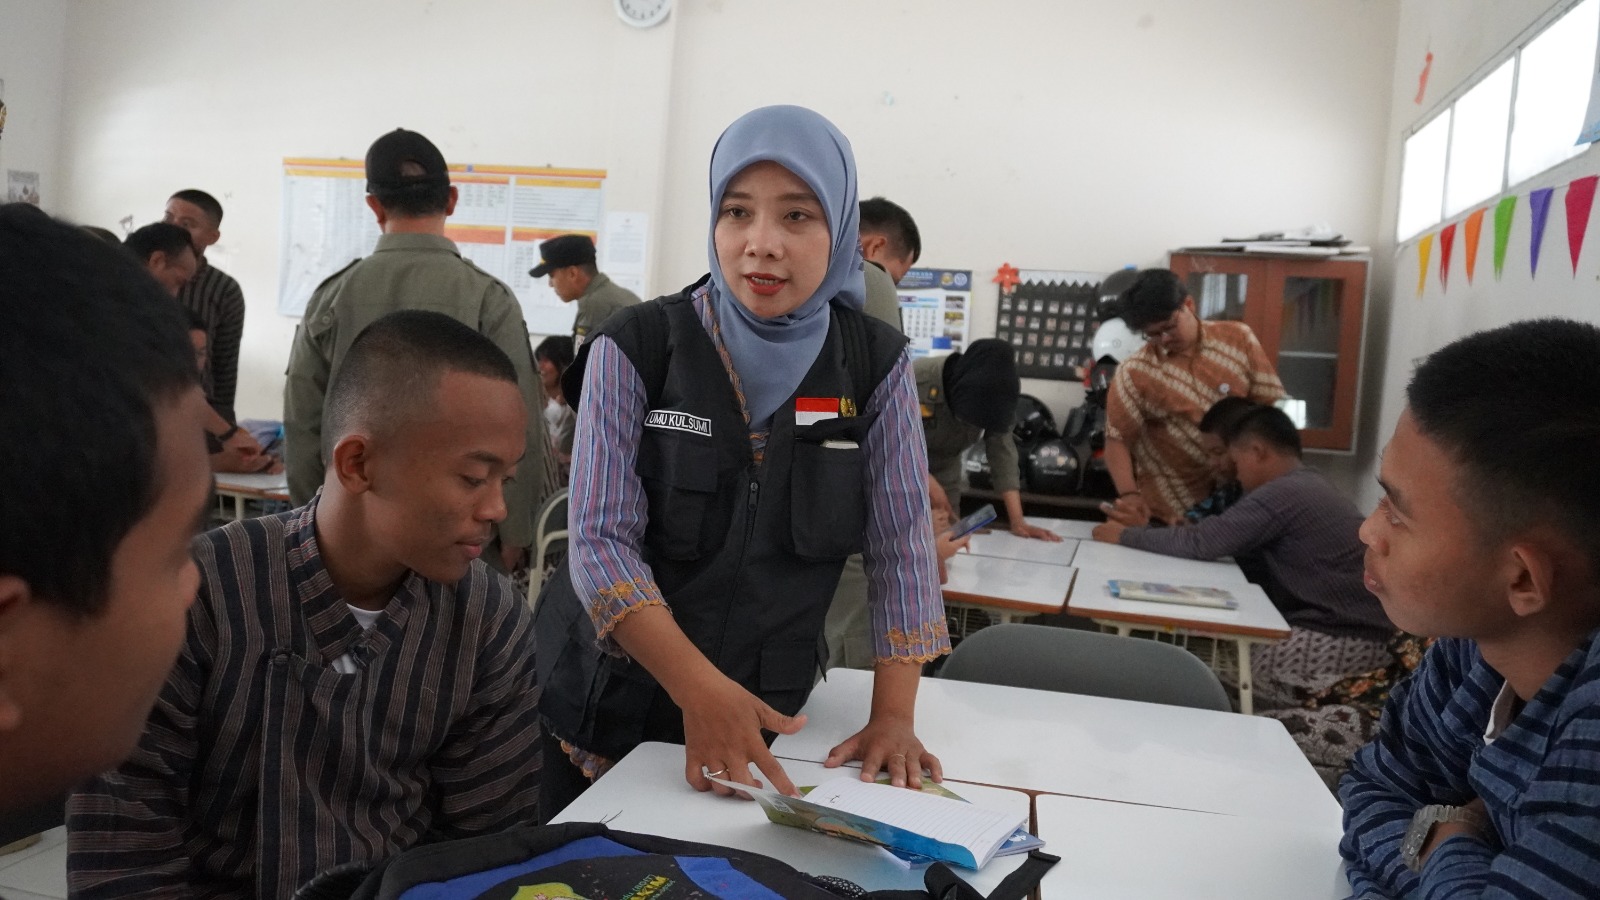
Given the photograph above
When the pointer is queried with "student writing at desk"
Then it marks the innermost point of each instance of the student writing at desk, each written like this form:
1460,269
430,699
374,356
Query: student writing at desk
736,442
1300,533
1482,781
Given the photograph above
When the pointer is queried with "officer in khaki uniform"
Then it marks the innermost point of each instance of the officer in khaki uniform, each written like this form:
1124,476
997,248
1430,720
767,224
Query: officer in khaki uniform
569,261
413,267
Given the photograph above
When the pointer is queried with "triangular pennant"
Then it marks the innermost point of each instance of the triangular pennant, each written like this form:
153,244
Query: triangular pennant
1424,252
1502,231
1447,240
1580,200
1539,203
1474,230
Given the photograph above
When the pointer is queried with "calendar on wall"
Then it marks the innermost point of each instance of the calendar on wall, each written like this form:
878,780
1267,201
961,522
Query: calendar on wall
1048,317
935,303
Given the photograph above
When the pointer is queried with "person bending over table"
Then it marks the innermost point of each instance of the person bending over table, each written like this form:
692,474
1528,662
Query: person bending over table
1303,533
1158,395
1482,780
736,442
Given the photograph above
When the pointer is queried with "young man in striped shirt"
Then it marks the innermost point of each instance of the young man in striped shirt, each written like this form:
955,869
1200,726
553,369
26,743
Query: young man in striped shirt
1484,780
355,679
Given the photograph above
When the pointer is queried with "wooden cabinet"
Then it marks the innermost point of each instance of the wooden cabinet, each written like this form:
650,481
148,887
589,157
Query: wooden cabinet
1308,313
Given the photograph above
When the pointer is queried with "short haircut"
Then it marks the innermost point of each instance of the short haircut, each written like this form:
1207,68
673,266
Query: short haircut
90,348
1224,413
207,203
158,237
1268,424
557,349
880,216
414,201
392,371
1518,410
1152,298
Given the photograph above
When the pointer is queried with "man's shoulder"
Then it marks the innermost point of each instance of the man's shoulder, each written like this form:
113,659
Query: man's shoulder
489,601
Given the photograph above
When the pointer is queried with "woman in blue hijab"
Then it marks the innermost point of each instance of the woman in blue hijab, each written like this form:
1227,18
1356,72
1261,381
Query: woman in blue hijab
736,441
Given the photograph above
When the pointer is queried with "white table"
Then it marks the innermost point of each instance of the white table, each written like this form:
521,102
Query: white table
1003,544
1071,529
251,487
1013,589
1256,621
646,793
1087,746
1141,565
1119,850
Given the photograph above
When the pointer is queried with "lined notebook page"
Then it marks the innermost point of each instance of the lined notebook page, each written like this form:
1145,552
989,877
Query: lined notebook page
978,829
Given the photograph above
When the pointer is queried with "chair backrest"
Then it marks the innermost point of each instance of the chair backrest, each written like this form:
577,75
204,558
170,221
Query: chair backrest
549,534
1086,662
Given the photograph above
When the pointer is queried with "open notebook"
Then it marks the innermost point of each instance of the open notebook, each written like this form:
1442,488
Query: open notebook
915,823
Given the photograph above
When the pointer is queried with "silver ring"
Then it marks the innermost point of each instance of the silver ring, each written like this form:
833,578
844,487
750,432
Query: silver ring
716,773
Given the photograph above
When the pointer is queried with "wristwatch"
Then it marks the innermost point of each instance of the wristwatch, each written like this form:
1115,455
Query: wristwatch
1422,827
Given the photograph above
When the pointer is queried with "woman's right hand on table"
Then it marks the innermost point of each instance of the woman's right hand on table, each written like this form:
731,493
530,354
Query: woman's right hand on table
722,724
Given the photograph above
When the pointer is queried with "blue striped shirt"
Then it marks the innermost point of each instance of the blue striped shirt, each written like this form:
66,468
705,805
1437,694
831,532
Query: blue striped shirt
1539,781
608,509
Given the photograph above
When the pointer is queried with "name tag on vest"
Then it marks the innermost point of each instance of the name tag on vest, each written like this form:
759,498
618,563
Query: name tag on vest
677,421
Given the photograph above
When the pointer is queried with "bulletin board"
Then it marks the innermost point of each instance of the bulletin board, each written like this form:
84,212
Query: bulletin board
502,215
1048,317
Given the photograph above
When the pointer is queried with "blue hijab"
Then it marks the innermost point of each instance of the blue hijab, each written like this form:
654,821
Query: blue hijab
773,355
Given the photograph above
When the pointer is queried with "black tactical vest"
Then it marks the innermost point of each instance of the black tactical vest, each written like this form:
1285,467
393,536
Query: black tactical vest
746,555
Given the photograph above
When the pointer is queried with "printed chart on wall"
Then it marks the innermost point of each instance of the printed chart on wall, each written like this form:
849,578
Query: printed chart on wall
1049,318
502,215
936,302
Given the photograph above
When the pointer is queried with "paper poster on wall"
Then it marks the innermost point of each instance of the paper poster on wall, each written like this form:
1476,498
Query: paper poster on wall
933,303
1048,317
22,187
502,214
624,250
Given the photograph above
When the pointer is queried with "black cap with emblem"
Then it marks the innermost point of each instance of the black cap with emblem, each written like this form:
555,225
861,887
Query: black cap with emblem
561,251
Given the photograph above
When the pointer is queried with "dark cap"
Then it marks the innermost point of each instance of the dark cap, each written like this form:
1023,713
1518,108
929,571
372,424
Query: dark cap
981,384
388,153
562,251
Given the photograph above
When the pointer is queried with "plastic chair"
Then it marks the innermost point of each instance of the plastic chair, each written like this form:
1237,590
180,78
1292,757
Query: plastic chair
1086,662
549,529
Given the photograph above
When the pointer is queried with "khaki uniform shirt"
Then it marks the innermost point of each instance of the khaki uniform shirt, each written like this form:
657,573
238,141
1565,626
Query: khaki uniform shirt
883,298
410,271
602,298
949,437
1156,402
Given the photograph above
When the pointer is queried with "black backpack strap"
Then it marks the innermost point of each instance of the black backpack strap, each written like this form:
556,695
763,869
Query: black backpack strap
649,321
869,357
942,883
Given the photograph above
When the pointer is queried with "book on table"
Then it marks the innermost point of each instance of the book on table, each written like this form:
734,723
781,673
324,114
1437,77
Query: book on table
914,826
1187,595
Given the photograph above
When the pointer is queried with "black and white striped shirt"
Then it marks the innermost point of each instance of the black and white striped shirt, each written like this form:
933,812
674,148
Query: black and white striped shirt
263,764
215,297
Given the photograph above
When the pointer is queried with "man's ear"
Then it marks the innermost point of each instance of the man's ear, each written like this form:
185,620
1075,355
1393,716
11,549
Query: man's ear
14,600
1535,568
352,463
450,207
377,210
872,245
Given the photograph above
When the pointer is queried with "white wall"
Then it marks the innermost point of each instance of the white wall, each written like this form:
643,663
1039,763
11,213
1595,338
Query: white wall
1065,134
1464,35
33,45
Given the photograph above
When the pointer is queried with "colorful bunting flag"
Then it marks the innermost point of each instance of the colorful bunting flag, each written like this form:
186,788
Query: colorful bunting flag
1447,240
1474,230
1539,203
1580,200
1424,251
1502,232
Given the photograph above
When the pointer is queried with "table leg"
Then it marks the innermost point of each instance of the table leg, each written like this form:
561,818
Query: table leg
1246,694
238,506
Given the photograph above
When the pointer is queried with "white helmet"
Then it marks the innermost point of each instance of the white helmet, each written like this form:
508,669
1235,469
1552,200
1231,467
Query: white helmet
1115,339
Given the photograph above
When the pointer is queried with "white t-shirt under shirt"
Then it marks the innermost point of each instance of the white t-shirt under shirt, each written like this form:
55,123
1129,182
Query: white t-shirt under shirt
366,618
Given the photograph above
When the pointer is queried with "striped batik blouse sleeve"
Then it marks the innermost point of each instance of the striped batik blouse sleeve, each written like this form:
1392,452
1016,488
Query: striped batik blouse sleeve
907,606
606,515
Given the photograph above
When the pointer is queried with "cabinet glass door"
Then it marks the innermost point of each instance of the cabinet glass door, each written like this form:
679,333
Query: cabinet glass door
1308,347
1219,295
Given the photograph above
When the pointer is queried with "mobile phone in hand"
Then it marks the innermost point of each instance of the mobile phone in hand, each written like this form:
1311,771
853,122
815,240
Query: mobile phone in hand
973,522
